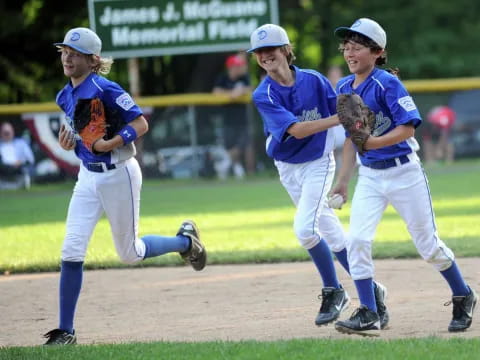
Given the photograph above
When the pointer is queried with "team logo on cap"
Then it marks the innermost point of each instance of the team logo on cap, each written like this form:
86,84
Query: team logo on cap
75,36
262,34
356,24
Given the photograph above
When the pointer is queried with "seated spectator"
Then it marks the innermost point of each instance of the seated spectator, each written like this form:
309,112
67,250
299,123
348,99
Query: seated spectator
235,82
16,159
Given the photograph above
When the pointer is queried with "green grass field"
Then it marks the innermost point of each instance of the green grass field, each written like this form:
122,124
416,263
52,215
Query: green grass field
241,222
411,349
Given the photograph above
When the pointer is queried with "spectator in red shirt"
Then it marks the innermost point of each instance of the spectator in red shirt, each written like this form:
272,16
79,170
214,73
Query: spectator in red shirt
235,82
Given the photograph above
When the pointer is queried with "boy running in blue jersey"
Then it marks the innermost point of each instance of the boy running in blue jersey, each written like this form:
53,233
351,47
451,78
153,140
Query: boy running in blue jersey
298,106
109,180
389,172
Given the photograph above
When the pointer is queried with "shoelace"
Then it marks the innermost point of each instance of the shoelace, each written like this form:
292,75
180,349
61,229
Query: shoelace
326,301
54,337
51,333
358,310
458,309
459,303
195,255
355,312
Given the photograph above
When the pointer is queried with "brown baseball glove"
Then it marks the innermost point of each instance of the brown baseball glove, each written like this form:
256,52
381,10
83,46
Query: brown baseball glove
356,118
90,121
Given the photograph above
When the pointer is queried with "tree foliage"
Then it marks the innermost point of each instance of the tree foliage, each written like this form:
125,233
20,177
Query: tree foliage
426,39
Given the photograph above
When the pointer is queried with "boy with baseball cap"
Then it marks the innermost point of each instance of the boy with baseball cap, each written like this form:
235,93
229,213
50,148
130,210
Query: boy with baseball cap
389,172
109,180
298,107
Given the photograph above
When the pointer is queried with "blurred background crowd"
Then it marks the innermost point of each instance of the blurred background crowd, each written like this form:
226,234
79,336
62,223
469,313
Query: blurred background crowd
226,140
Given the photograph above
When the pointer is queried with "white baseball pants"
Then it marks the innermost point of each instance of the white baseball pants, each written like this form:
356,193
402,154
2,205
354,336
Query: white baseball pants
115,192
308,185
406,188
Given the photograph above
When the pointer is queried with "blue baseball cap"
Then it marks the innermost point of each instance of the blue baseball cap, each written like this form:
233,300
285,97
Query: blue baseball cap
83,40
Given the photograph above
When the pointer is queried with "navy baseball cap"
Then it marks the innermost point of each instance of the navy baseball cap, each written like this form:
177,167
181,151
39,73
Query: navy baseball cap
367,27
83,40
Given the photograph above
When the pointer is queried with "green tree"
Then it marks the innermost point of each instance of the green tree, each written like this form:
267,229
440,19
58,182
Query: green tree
426,39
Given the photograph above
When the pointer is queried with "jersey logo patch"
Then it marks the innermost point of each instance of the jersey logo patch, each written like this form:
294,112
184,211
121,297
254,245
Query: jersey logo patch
125,101
382,124
309,115
407,103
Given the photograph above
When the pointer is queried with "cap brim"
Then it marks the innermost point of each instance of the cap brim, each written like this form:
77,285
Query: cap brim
79,49
265,45
341,32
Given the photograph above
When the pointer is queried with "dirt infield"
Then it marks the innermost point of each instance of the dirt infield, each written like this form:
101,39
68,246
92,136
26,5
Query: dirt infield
233,302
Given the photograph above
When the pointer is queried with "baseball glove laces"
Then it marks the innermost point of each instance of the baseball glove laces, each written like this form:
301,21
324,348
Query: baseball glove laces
357,118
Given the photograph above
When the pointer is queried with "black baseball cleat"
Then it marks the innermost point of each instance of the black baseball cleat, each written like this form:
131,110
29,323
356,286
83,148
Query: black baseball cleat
334,301
380,298
60,337
363,322
196,255
463,307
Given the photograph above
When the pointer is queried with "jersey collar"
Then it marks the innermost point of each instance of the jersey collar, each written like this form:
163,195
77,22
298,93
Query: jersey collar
359,88
298,79
92,74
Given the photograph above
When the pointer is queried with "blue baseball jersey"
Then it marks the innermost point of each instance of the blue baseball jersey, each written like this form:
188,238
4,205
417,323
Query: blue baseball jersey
114,98
310,98
386,96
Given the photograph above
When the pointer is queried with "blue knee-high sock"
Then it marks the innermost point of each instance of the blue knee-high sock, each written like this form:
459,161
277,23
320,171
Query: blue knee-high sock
322,257
156,245
342,258
455,280
366,293
71,277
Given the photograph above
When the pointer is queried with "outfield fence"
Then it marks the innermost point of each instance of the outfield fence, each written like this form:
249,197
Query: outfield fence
186,130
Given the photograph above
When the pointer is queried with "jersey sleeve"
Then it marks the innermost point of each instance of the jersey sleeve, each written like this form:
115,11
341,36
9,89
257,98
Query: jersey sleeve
60,100
275,117
401,104
121,103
